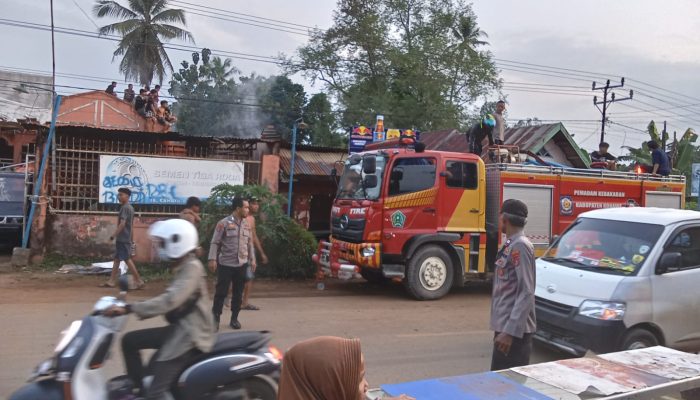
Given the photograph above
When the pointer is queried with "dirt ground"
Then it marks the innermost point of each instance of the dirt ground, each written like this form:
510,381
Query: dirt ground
402,339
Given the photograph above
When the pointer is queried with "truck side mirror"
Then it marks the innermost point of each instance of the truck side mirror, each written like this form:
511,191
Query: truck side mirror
668,261
334,172
371,181
369,165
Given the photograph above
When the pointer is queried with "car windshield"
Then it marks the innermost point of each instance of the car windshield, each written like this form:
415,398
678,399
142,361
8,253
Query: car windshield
352,181
605,246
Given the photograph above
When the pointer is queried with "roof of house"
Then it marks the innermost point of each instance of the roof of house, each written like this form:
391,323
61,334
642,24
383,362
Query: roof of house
527,138
311,163
658,216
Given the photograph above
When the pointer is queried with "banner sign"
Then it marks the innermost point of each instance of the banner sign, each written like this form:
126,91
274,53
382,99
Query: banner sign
155,180
695,181
360,136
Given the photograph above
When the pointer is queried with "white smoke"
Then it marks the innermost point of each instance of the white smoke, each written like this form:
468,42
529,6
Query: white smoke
247,117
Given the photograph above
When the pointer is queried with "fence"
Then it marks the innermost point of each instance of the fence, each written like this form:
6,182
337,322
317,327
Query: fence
77,169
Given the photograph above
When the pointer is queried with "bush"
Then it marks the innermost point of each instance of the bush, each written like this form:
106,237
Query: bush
288,246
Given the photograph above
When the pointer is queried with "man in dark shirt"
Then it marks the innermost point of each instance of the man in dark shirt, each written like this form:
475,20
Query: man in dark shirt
478,132
110,89
660,164
602,156
140,102
129,94
124,240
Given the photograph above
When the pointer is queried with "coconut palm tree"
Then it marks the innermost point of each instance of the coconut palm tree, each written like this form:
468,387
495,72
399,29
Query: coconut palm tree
221,70
469,35
144,26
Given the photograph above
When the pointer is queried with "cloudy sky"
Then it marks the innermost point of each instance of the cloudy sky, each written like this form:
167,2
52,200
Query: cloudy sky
549,52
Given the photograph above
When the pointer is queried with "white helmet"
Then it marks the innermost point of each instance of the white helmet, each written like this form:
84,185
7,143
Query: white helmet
177,236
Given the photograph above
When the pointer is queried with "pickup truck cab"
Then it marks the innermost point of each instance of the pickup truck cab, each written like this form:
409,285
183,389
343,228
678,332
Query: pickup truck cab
622,279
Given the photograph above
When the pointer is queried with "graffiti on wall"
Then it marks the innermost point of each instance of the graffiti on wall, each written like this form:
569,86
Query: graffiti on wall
164,180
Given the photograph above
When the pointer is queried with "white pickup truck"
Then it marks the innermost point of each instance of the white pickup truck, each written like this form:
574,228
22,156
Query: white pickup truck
622,279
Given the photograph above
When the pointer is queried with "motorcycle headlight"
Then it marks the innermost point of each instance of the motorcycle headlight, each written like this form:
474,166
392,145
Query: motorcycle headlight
368,252
68,335
604,310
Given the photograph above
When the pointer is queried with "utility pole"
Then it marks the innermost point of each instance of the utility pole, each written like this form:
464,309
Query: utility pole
607,89
664,137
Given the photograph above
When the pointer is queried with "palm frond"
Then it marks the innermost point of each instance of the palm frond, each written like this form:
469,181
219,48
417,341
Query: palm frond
123,28
174,32
157,6
170,15
109,8
139,6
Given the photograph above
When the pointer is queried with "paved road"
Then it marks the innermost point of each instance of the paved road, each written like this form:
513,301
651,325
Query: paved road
402,339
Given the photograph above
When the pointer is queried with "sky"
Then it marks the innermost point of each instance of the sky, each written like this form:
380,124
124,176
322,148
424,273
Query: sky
549,52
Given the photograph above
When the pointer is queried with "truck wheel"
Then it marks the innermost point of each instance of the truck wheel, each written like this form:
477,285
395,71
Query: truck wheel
373,276
430,273
639,338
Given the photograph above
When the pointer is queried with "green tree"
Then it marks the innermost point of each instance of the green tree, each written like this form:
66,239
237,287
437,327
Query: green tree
421,63
205,90
288,245
144,26
285,101
323,128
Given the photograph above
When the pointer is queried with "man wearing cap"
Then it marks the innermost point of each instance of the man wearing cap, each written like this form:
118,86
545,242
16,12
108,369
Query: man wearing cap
513,299
254,212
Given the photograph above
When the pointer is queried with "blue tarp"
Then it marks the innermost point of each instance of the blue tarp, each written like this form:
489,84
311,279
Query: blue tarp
484,386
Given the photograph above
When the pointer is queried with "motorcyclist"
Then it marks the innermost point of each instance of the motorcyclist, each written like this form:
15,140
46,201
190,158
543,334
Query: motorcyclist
479,131
185,305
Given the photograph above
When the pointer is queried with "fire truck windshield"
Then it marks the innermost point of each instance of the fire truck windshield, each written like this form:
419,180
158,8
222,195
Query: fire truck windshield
605,246
353,182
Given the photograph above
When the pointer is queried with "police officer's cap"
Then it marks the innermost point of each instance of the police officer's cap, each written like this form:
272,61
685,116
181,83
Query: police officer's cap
514,207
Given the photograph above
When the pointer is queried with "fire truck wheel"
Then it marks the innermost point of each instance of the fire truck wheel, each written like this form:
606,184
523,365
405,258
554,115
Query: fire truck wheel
639,338
430,273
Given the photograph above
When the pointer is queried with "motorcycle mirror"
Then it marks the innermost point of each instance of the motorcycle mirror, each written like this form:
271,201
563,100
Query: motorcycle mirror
124,283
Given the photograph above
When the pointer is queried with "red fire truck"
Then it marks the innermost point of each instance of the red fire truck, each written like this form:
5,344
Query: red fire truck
430,218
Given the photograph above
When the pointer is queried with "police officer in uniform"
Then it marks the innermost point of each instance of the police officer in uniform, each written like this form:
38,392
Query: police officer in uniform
513,300
231,253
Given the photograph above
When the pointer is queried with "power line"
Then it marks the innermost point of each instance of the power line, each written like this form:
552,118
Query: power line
268,26
243,14
607,89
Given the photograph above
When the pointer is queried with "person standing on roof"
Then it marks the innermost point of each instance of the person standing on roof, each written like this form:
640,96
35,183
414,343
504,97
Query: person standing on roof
479,131
513,299
500,122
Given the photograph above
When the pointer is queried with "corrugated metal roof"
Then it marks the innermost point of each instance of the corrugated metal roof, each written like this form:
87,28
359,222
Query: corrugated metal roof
527,138
446,140
310,163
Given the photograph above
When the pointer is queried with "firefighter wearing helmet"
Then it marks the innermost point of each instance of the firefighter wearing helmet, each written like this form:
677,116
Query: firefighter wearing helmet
190,329
479,131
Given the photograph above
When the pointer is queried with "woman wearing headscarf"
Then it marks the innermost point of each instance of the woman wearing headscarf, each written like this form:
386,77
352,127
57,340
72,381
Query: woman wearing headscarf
324,368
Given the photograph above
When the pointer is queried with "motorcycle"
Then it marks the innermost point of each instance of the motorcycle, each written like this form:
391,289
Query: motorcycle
241,366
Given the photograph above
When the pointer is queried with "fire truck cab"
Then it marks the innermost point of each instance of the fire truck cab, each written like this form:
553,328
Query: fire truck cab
431,218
